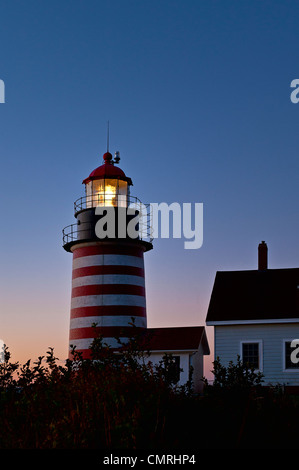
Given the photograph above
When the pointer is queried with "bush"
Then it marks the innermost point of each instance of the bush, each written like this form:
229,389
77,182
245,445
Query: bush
112,400
122,401
235,377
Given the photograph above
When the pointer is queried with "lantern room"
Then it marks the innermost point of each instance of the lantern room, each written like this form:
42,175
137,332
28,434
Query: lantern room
107,185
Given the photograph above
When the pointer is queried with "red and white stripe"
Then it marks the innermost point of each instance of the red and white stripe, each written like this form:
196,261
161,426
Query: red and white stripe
108,289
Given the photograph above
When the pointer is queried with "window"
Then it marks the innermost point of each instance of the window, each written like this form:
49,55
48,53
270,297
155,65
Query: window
251,354
291,355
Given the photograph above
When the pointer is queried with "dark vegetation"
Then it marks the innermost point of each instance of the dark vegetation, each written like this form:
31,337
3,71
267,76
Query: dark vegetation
118,401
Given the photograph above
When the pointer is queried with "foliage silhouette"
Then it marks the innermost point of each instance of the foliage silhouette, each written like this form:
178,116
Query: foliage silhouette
238,377
114,399
120,400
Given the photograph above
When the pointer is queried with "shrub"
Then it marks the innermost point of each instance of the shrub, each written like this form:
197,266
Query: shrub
112,400
235,377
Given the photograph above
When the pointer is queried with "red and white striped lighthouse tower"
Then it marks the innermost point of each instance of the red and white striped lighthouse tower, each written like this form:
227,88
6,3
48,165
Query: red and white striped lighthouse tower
108,284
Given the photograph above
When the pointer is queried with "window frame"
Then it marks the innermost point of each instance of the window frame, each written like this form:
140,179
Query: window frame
260,351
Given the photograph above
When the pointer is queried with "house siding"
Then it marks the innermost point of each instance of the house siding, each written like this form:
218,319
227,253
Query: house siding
196,361
156,357
228,346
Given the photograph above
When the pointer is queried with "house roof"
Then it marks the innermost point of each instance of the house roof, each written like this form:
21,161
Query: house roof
254,295
177,339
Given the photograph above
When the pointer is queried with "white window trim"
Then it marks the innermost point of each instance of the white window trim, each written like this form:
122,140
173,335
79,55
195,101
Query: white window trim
296,371
260,343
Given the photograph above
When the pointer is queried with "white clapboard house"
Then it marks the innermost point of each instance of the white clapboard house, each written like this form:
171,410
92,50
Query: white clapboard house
255,315
187,346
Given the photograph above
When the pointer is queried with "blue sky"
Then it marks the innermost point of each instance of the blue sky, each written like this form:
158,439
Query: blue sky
198,98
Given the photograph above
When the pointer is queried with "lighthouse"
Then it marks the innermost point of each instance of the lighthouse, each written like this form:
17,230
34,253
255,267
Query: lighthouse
108,282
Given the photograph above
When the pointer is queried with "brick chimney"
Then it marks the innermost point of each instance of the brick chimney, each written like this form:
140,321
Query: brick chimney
262,256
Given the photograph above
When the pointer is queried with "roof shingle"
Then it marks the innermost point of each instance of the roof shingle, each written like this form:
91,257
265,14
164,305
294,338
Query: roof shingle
176,338
255,295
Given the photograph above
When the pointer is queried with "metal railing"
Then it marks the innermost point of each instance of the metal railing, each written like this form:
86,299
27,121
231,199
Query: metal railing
75,232
104,199
86,230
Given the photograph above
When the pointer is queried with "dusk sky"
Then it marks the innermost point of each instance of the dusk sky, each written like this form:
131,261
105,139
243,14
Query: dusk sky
197,93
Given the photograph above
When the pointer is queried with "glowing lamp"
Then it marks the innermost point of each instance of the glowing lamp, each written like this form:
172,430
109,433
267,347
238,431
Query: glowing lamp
107,185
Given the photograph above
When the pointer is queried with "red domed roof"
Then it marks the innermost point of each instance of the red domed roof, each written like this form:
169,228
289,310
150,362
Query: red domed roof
107,170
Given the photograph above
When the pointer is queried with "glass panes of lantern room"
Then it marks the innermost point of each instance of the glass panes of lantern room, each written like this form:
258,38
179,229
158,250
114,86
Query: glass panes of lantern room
107,192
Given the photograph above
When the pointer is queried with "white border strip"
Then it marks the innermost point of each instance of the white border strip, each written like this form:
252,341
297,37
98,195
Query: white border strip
107,320
85,343
100,279
108,299
108,260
